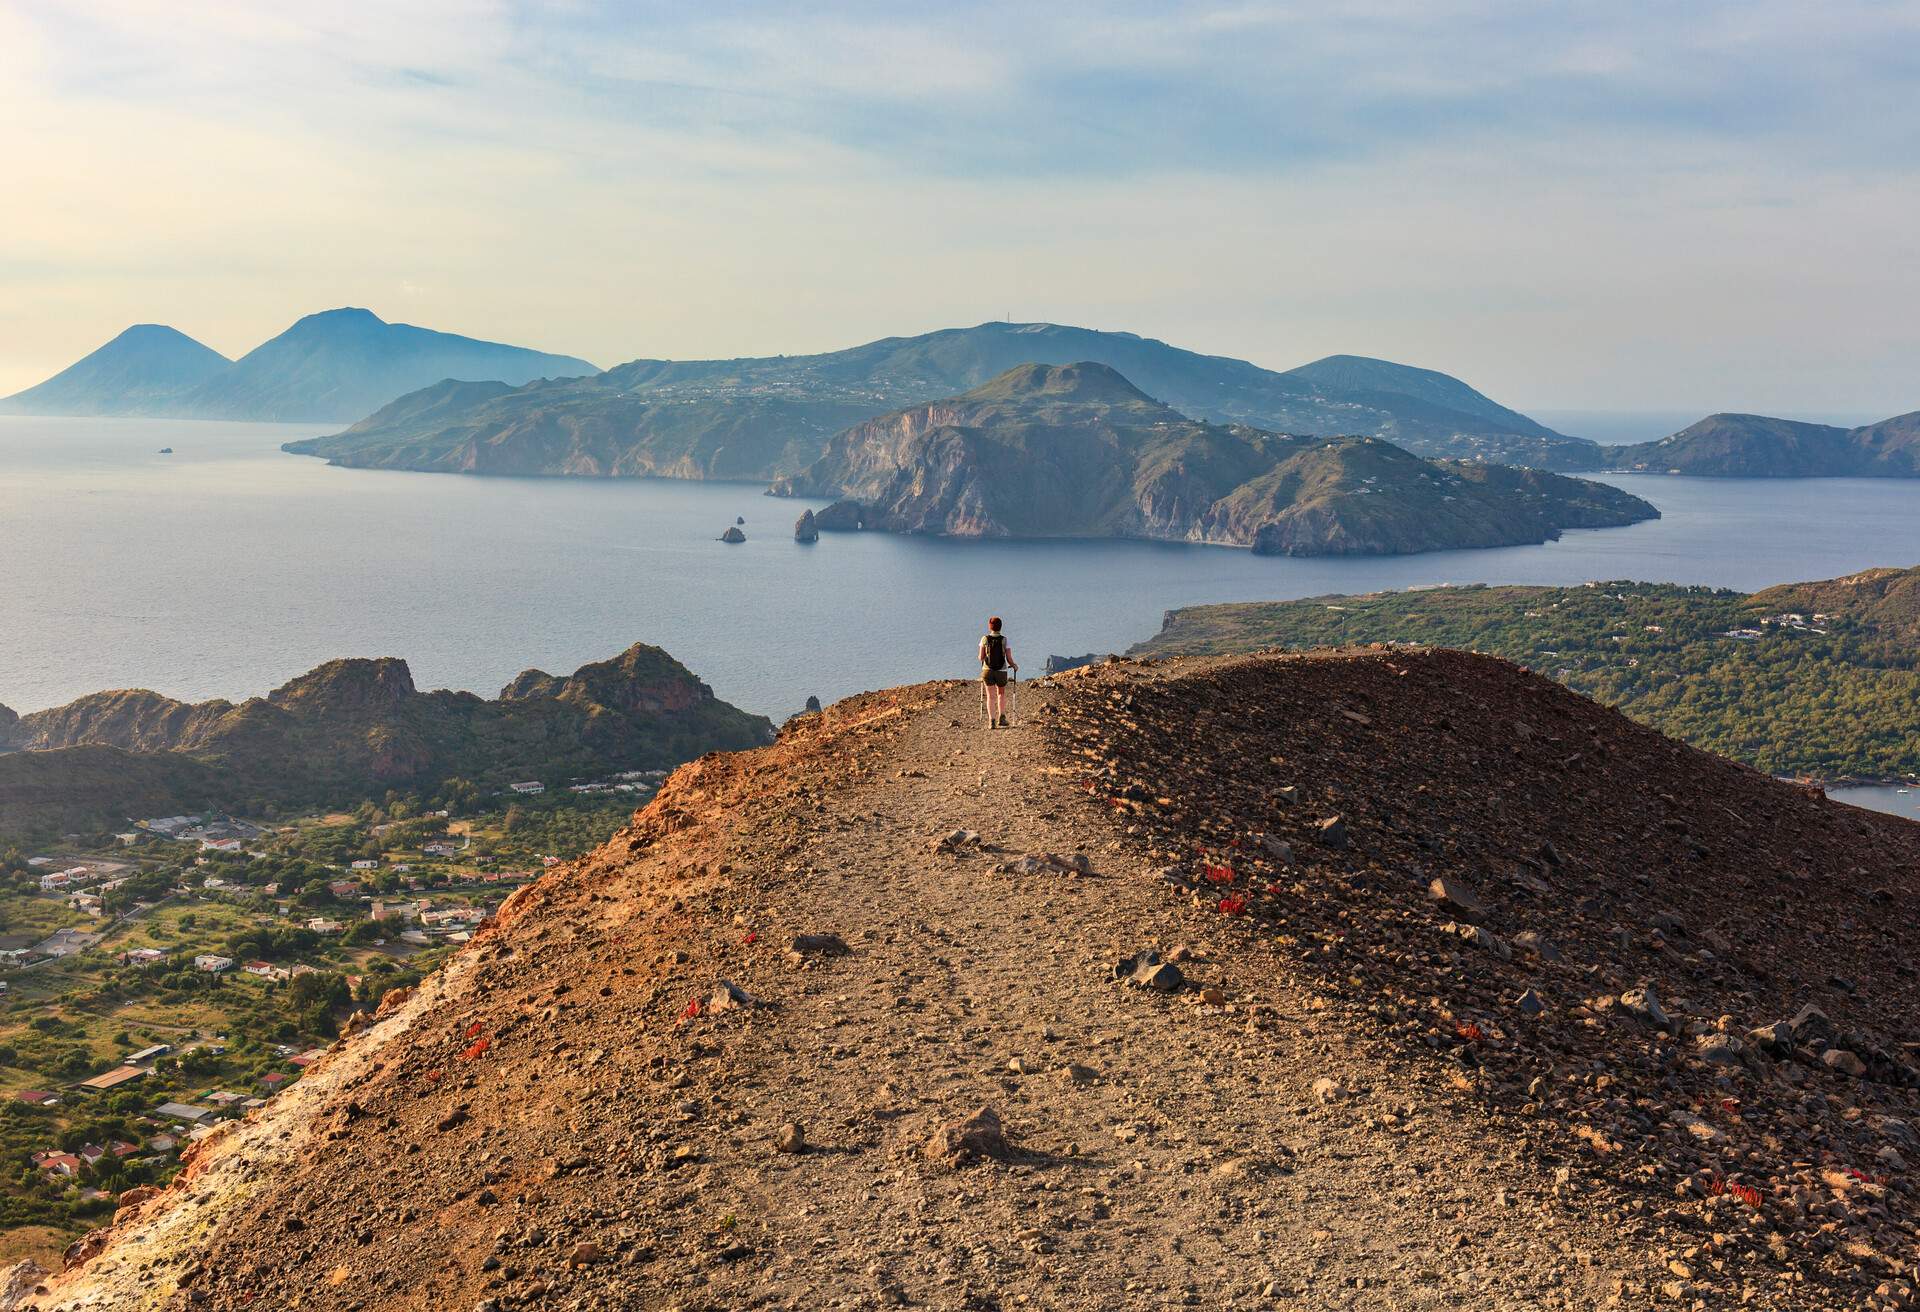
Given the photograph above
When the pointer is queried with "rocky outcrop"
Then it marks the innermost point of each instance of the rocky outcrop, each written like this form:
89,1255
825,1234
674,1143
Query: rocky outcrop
347,687
804,529
1078,451
733,535
843,516
353,728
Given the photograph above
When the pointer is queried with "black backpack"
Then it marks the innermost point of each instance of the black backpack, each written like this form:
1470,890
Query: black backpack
996,651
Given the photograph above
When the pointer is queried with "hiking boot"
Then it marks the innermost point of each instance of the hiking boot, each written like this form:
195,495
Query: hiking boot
1002,723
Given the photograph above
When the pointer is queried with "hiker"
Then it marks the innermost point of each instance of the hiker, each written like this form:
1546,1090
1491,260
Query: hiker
996,667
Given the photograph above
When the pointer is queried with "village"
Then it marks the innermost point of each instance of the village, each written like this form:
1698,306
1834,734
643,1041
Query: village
182,971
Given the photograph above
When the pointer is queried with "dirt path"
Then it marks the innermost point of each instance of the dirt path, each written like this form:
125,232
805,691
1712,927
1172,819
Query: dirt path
603,1149
1187,1161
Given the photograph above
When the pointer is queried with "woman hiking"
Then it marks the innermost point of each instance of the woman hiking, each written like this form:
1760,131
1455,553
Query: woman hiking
996,666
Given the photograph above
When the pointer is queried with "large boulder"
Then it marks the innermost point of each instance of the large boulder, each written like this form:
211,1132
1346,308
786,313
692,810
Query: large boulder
733,535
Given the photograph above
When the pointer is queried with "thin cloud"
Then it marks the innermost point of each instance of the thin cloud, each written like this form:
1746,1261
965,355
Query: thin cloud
1566,203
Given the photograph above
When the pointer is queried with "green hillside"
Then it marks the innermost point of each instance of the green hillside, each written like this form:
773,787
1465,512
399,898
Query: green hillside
1834,694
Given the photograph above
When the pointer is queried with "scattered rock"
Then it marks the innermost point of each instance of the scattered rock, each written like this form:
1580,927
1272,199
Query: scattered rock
1148,971
1530,941
1810,1024
1482,939
791,1139
954,840
1774,1040
1327,1089
1720,1049
1278,848
85,1248
727,995
1529,1004
1457,896
1693,1125
1645,1004
1332,832
1839,1059
138,1194
585,1253
980,1136
820,945
1669,924
1034,863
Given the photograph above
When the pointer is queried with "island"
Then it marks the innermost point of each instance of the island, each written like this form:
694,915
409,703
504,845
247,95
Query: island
1756,446
332,366
1077,451
767,417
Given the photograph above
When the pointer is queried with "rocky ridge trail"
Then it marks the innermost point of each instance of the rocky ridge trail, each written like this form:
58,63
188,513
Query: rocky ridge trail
1103,1012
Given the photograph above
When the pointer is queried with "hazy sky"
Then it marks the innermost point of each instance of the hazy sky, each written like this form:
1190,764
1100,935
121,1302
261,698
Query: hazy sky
1610,205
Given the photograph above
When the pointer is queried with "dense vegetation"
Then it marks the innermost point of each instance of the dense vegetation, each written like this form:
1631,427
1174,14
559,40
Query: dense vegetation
1838,698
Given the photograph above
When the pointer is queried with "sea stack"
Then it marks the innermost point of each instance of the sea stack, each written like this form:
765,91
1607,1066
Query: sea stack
804,529
733,534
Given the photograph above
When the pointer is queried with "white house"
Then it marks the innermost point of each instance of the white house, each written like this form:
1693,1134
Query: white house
530,787
212,964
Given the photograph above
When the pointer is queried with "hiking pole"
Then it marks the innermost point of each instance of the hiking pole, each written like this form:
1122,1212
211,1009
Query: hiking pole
1013,697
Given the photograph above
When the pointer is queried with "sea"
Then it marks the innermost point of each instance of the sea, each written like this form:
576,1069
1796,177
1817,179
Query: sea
228,567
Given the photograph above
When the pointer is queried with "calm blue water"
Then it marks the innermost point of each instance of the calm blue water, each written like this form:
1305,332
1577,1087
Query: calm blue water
227,568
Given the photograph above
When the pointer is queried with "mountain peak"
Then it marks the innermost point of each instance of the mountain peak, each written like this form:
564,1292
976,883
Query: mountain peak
347,685
343,314
141,371
1082,383
347,318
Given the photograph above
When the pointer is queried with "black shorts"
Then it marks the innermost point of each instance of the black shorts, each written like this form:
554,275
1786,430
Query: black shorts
993,678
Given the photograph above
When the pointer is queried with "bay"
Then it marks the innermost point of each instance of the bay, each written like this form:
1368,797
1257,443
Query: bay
228,567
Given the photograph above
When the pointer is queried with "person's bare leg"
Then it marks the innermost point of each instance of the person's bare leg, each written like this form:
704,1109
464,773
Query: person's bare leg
986,700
